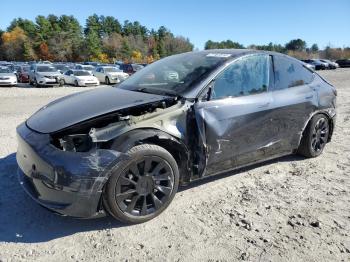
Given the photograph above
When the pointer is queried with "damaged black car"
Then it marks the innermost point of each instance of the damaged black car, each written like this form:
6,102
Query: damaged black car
125,150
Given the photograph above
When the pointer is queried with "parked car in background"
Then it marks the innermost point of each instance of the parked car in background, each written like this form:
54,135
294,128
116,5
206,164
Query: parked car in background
317,63
110,74
94,64
44,75
79,78
310,66
126,150
23,74
7,77
343,62
130,68
62,68
331,64
88,68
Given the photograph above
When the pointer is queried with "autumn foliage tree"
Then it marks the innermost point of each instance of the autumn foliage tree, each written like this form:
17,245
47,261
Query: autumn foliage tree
104,39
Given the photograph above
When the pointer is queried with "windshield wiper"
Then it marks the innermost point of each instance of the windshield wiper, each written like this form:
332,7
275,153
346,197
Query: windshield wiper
157,91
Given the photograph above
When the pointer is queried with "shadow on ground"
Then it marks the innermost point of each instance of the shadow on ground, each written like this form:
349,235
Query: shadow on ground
24,221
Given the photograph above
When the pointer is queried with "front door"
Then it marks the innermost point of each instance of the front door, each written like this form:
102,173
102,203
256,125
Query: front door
235,123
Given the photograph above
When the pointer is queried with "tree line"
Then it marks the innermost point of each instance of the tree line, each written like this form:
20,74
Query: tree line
103,39
296,48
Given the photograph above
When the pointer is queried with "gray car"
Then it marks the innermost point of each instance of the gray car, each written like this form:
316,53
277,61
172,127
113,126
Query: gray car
44,75
126,150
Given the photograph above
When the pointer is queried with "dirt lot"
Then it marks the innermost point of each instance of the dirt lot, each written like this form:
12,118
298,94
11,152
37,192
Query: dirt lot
286,209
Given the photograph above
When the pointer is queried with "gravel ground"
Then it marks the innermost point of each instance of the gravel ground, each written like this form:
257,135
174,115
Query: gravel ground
290,209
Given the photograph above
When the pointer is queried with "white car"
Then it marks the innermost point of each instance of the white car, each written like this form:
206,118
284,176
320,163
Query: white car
7,77
110,74
88,68
80,78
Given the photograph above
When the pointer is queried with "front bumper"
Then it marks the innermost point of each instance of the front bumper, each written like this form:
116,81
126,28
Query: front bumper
48,81
68,183
8,82
88,83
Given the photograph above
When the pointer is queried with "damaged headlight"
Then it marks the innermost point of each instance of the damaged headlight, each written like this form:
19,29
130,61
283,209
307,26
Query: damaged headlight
76,143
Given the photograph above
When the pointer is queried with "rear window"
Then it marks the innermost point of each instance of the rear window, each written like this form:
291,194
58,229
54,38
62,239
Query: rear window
290,73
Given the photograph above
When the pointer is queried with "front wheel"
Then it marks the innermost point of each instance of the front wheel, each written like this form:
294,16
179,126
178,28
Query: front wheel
61,82
315,136
142,187
108,82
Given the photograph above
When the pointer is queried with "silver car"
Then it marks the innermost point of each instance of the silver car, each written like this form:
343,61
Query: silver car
44,75
7,77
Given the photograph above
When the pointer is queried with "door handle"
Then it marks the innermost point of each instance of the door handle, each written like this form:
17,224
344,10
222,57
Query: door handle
264,105
309,97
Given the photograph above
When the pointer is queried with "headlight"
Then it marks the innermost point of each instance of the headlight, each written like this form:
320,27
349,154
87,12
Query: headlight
75,143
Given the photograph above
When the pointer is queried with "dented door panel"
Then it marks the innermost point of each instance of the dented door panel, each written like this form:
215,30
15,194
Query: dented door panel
235,130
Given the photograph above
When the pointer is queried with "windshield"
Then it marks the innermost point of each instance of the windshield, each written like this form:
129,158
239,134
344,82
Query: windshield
82,73
111,69
25,69
87,67
46,69
5,70
62,67
174,74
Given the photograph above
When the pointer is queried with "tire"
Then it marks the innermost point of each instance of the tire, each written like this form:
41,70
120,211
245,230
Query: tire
76,83
30,82
315,136
36,83
61,82
107,81
130,195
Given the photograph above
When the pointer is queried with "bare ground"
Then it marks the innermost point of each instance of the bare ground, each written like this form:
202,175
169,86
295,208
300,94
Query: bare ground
290,209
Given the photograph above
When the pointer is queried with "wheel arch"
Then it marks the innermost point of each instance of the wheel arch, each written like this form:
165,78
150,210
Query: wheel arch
170,143
330,116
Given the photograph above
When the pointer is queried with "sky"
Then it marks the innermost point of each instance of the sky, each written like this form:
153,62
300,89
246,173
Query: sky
248,22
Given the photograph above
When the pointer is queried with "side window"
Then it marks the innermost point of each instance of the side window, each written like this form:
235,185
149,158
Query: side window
246,76
67,73
290,73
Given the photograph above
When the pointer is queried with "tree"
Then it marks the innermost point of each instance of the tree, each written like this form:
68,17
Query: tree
93,24
110,25
222,45
93,44
296,45
13,44
62,38
314,48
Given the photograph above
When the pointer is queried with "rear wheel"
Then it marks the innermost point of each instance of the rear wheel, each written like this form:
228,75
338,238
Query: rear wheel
315,136
142,187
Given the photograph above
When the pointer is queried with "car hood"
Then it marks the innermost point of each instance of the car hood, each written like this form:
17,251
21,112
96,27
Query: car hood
7,75
92,78
79,107
49,73
116,73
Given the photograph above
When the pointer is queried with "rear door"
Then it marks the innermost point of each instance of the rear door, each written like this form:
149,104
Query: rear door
235,124
294,100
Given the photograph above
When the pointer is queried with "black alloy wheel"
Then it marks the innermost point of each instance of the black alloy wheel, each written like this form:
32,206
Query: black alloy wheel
315,136
144,186
320,135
